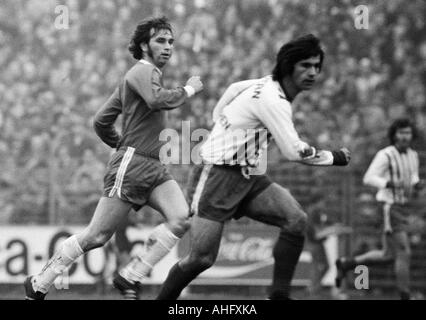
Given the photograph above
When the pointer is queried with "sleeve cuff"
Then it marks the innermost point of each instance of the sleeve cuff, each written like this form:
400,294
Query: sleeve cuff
339,158
190,91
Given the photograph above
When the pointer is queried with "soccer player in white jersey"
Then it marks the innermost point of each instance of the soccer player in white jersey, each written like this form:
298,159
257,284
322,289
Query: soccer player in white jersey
394,171
229,185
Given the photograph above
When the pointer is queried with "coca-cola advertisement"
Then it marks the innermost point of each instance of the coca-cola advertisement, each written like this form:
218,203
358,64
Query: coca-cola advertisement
245,258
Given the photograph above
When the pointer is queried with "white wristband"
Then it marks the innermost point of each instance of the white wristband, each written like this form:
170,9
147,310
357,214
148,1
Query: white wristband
190,91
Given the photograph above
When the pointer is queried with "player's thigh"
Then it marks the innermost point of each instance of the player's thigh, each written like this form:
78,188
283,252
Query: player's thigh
275,206
109,213
205,236
396,242
169,200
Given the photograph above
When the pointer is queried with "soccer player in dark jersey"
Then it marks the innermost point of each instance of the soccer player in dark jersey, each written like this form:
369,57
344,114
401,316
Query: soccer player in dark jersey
394,172
135,175
229,185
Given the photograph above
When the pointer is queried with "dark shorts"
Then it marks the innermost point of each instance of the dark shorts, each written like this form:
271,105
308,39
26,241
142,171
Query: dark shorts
221,193
133,177
399,216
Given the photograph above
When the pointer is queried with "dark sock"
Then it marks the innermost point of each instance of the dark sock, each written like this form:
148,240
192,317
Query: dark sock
404,295
176,281
286,252
348,264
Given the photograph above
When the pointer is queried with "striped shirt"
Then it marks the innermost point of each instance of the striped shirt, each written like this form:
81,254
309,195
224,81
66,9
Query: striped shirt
391,165
246,117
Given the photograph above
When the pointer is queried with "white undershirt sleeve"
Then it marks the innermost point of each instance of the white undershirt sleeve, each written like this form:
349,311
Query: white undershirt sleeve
278,120
374,176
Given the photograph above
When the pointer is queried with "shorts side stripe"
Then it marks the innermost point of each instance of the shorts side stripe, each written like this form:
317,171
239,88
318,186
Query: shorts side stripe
200,188
119,174
119,178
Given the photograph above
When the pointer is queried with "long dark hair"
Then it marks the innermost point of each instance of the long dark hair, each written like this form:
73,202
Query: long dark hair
143,34
399,124
294,51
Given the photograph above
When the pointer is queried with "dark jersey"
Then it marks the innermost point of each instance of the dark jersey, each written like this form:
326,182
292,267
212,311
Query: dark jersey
142,100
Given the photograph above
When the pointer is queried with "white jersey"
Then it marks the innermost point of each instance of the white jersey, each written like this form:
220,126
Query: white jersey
400,168
247,116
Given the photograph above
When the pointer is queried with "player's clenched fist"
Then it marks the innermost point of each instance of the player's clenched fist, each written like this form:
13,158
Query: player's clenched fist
305,151
196,83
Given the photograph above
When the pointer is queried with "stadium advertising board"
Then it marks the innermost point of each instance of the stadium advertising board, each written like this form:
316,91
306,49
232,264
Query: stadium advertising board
25,249
245,256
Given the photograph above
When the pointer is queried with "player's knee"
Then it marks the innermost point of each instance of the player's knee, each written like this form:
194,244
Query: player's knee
202,262
298,223
388,255
180,224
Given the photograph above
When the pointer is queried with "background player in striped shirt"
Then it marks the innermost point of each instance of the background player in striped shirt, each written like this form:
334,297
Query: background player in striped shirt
394,171
135,175
230,184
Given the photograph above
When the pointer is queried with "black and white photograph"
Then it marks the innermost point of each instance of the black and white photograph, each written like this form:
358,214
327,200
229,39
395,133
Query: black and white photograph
231,151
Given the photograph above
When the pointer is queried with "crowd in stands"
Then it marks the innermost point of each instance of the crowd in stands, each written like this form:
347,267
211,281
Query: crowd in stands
53,80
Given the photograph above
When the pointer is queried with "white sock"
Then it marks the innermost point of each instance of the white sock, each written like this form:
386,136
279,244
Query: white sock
69,251
160,242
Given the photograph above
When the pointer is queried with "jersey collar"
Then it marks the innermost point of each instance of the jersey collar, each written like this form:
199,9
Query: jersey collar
281,91
401,152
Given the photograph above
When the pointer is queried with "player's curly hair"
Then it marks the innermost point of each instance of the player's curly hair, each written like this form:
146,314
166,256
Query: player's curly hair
143,34
294,51
399,124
